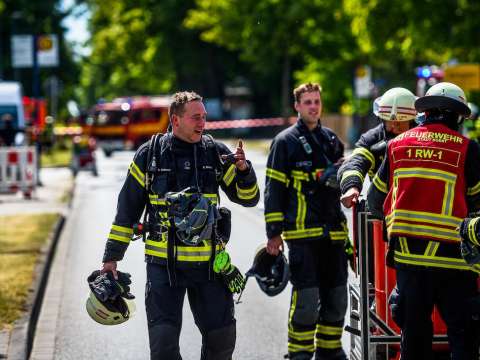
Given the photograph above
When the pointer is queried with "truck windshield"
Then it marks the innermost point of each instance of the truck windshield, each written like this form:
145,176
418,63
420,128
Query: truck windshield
111,117
8,113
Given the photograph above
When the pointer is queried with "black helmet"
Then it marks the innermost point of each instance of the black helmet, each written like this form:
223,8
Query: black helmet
444,96
193,215
272,272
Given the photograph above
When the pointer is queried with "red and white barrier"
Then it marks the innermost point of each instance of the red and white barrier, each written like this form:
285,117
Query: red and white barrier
18,170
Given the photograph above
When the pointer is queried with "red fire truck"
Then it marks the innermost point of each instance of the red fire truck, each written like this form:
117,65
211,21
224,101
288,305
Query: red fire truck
127,122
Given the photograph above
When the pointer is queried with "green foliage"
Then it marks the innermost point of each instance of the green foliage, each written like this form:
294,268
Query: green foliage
148,46
36,17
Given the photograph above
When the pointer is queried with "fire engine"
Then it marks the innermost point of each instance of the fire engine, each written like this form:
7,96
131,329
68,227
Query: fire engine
127,122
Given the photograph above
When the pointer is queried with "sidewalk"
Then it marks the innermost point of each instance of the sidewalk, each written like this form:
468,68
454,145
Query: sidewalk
52,197
49,198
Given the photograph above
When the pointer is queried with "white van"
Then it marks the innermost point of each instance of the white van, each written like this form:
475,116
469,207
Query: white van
11,108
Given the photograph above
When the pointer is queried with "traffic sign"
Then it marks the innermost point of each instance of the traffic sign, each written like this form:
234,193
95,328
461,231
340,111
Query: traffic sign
467,76
22,51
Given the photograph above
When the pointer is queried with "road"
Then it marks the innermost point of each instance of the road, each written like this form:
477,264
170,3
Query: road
66,332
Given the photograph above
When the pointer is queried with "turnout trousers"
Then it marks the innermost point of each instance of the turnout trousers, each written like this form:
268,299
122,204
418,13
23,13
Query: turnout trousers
211,304
318,304
450,290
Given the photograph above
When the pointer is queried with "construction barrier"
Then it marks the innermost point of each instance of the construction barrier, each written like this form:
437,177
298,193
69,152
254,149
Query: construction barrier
18,170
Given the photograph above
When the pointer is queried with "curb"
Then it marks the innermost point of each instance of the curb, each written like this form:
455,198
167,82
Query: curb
23,332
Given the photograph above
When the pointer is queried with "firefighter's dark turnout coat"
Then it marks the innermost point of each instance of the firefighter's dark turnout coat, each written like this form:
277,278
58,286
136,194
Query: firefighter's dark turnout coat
307,214
365,159
179,165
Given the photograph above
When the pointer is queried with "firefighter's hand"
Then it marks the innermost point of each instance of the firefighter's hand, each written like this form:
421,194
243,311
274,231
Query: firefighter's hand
274,245
350,197
238,157
110,266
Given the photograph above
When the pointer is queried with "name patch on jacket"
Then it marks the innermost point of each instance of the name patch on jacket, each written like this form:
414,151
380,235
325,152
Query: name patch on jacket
303,164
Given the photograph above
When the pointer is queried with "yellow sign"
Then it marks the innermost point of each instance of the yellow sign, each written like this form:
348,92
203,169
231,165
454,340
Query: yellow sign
44,42
467,76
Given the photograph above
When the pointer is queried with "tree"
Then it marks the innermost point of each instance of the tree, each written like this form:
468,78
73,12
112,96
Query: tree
36,17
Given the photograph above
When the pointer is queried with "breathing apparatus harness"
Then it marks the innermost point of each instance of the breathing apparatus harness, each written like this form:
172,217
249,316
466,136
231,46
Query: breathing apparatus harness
191,216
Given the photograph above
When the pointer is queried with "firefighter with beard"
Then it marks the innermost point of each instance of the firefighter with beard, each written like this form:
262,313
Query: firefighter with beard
396,110
177,262
426,185
302,207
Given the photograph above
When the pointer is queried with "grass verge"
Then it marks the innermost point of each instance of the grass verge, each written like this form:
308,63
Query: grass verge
58,156
21,239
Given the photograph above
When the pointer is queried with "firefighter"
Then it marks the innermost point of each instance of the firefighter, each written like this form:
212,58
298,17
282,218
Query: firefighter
426,185
396,110
178,263
302,207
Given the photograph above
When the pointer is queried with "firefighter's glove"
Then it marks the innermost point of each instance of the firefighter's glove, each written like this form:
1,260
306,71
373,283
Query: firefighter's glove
234,280
469,231
349,253
470,253
105,287
230,274
328,177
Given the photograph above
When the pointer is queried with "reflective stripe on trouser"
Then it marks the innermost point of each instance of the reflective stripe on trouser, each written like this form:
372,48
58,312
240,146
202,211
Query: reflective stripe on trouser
301,325
328,336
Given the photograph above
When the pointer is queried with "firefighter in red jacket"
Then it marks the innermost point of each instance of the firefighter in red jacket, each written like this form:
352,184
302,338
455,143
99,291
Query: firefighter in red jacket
427,184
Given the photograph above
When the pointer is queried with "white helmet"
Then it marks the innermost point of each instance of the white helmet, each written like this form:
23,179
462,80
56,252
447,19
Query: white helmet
110,312
396,104
444,96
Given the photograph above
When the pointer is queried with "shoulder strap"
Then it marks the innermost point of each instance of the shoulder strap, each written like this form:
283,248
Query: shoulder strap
212,148
152,161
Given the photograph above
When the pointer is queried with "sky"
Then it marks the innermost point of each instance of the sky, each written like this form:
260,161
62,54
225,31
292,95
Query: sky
76,24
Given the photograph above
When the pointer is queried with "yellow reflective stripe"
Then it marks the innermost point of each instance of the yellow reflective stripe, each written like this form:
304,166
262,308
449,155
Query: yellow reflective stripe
247,194
404,245
212,197
422,230
338,235
329,330
366,154
292,309
299,175
431,249
301,335
301,205
328,344
277,175
379,184
447,203
301,234
434,261
183,253
137,174
352,173
124,229
474,190
472,235
120,233
120,238
426,174
423,216
229,175
298,348
273,216
155,200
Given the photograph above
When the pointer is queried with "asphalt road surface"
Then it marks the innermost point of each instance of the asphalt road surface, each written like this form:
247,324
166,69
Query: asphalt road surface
64,327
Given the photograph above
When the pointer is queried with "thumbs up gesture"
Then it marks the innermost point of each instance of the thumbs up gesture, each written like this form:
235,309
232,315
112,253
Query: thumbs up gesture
238,157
